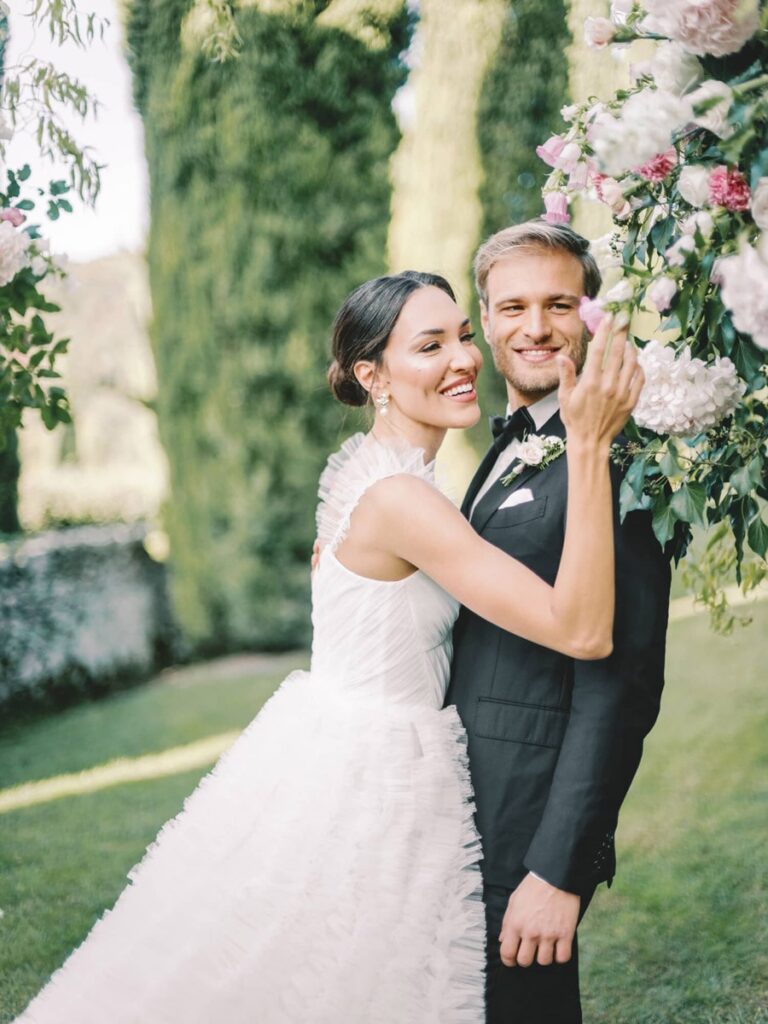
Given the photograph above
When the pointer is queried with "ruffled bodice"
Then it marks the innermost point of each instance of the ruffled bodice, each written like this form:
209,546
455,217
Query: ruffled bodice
386,641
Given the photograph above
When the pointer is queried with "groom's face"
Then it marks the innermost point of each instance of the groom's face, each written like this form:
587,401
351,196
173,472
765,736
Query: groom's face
532,315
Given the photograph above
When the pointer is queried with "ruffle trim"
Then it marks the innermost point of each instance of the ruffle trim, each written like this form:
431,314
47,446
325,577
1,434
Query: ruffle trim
357,465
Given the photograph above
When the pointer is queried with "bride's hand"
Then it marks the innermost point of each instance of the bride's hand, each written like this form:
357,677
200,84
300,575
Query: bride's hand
595,408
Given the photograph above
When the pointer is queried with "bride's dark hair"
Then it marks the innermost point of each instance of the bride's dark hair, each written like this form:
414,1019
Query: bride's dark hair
364,323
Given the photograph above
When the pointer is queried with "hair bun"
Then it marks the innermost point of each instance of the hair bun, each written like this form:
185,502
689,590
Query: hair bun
345,386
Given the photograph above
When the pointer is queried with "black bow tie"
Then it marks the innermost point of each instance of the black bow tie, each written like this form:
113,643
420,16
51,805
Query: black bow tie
506,429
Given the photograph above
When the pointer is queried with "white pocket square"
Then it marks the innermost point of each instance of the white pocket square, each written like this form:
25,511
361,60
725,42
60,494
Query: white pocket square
517,498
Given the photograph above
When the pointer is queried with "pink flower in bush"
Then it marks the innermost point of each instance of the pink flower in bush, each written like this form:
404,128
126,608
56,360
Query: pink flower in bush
658,168
591,312
729,188
551,150
13,216
556,204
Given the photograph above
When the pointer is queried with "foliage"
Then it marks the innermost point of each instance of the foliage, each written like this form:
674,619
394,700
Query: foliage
681,158
270,199
525,88
28,351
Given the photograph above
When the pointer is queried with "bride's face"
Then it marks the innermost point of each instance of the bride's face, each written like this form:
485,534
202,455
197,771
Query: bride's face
431,363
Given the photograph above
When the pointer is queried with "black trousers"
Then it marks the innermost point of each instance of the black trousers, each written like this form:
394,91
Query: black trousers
528,995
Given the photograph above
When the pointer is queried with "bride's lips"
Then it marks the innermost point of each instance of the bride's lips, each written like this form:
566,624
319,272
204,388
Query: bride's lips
462,390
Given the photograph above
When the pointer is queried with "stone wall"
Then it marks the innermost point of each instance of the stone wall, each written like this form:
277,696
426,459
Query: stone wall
81,611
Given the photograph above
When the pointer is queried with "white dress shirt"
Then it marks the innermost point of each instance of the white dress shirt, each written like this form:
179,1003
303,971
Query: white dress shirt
540,411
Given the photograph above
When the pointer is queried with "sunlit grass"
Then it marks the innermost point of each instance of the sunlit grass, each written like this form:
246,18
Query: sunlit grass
681,937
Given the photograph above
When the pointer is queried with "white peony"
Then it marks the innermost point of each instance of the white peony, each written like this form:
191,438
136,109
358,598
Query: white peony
622,291
674,69
702,222
643,128
715,119
693,184
716,27
760,204
743,280
676,254
598,32
661,291
14,255
684,396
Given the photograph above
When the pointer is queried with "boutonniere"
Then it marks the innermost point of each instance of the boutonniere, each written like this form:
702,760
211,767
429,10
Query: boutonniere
535,451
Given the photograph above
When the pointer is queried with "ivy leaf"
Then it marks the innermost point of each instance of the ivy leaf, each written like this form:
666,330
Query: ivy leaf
746,478
669,465
757,535
689,504
58,188
664,520
24,173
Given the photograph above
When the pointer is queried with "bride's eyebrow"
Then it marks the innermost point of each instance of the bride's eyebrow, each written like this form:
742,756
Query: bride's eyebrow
435,331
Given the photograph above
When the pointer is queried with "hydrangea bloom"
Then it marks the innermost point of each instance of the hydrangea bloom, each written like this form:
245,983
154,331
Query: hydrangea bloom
13,252
716,27
743,278
644,127
683,396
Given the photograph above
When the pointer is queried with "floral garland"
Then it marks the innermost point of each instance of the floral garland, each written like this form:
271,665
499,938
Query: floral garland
681,159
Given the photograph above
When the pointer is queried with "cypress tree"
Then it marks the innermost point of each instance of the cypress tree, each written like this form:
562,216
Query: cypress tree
269,201
524,89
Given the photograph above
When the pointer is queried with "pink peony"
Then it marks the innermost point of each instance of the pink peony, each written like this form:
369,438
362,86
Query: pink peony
729,188
551,150
13,216
591,312
717,27
556,204
658,168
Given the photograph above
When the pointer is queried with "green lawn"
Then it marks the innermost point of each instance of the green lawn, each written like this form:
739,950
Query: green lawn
681,938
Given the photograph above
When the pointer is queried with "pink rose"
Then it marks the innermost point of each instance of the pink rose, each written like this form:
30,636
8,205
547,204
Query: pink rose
591,312
556,204
658,168
718,27
13,216
551,150
729,188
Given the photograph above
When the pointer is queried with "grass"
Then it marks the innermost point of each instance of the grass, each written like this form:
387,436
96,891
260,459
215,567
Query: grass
681,938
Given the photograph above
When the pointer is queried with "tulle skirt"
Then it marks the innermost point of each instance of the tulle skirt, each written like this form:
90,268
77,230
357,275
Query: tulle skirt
325,872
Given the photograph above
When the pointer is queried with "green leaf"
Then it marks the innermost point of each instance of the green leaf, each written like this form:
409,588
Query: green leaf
664,520
24,173
689,504
58,188
757,535
669,465
25,204
64,204
747,478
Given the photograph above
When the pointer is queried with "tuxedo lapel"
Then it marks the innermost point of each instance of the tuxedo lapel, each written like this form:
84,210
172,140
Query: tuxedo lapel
485,467
495,495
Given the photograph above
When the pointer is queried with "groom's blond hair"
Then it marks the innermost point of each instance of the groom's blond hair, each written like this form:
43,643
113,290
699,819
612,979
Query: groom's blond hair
532,236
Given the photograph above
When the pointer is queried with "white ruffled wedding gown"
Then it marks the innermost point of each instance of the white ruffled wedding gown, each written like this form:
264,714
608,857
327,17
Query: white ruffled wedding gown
326,870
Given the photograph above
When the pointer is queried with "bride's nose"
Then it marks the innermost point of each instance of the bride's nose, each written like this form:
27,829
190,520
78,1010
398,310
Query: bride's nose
462,357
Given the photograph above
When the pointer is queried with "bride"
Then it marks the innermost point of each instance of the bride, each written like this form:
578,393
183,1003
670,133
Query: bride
326,870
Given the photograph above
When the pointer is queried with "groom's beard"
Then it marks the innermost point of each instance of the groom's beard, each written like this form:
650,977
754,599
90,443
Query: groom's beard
537,381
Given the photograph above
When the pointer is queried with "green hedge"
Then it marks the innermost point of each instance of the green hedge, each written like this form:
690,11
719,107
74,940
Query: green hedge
519,107
270,200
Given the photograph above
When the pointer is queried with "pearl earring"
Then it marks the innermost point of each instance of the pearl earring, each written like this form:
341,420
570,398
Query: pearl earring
382,401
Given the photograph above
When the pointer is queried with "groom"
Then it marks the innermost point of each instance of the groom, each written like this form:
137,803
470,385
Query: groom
553,743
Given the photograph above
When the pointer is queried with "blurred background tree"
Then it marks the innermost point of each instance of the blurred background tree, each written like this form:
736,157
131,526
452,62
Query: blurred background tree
270,199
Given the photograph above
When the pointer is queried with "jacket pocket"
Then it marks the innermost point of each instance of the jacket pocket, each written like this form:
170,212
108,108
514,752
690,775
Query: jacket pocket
517,514
513,722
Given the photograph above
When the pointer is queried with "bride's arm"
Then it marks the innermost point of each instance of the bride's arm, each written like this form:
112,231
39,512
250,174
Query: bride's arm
575,616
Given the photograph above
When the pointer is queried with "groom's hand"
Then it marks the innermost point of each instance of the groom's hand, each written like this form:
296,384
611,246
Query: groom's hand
539,924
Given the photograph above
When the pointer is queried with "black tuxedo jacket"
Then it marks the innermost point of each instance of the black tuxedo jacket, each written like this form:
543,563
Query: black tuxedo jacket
554,743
